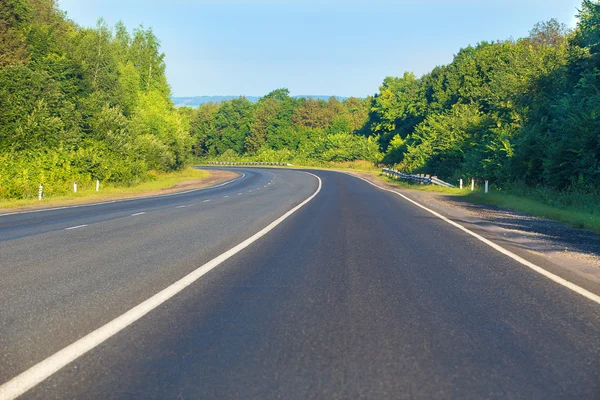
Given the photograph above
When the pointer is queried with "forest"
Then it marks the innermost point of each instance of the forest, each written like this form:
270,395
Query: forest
80,104
93,103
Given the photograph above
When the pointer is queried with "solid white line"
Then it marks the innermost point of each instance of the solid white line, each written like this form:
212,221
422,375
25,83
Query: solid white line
75,227
140,213
561,281
121,201
39,372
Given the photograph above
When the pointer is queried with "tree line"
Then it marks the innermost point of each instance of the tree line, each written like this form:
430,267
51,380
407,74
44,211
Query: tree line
93,103
523,110
283,129
516,110
79,104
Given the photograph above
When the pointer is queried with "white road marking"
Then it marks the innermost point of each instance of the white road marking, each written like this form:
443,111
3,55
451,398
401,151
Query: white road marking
42,370
239,194
180,207
225,197
75,227
121,201
206,201
561,281
136,214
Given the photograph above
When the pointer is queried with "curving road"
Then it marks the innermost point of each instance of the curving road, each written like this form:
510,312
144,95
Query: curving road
357,294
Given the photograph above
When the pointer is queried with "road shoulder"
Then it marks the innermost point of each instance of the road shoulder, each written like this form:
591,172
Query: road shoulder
215,177
571,253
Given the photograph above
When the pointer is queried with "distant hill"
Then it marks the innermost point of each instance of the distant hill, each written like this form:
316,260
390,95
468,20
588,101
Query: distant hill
199,100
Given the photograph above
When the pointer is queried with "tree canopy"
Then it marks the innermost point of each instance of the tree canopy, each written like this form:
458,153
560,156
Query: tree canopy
514,110
78,104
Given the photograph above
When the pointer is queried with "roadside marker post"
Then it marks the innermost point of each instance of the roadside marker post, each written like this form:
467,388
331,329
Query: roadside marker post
461,183
472,184
486,186
40,191
97,185
74,187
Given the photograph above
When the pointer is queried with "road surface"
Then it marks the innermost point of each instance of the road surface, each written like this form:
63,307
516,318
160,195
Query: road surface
356,294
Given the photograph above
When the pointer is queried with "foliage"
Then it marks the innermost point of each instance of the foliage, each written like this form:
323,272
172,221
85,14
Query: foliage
281,128
79,104
525,110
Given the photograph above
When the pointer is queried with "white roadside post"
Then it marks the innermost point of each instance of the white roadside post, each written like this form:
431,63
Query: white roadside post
472,184
74,187
40,193
486,186
461,183
97,185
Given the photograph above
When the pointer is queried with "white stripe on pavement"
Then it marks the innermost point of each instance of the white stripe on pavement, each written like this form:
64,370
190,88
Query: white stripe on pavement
75,227
561,281
42,370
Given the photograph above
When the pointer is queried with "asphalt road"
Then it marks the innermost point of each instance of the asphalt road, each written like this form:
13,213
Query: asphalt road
358,294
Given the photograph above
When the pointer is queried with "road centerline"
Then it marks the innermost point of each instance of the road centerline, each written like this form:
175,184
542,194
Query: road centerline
75,227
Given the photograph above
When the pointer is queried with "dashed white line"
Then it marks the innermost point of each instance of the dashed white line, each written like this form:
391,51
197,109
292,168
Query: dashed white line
42,370
180,207
136,214
121,201
239,194
225,197
206,201
75,227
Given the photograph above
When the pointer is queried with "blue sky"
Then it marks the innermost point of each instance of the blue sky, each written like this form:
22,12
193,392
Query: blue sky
318,47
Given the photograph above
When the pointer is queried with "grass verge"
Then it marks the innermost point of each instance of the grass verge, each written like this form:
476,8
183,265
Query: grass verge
158,182
571,216
581,214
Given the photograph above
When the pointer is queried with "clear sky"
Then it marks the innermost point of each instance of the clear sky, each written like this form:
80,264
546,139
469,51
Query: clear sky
317,47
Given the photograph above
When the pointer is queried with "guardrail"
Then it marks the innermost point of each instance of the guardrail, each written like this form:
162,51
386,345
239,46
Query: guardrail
248,163
421,178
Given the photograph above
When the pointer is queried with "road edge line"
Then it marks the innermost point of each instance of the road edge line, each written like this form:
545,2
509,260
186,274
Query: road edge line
561,281
30,378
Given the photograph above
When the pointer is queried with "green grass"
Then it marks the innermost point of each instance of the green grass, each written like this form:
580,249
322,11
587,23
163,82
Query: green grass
157,182
578,209
425,188
363,166
574,216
